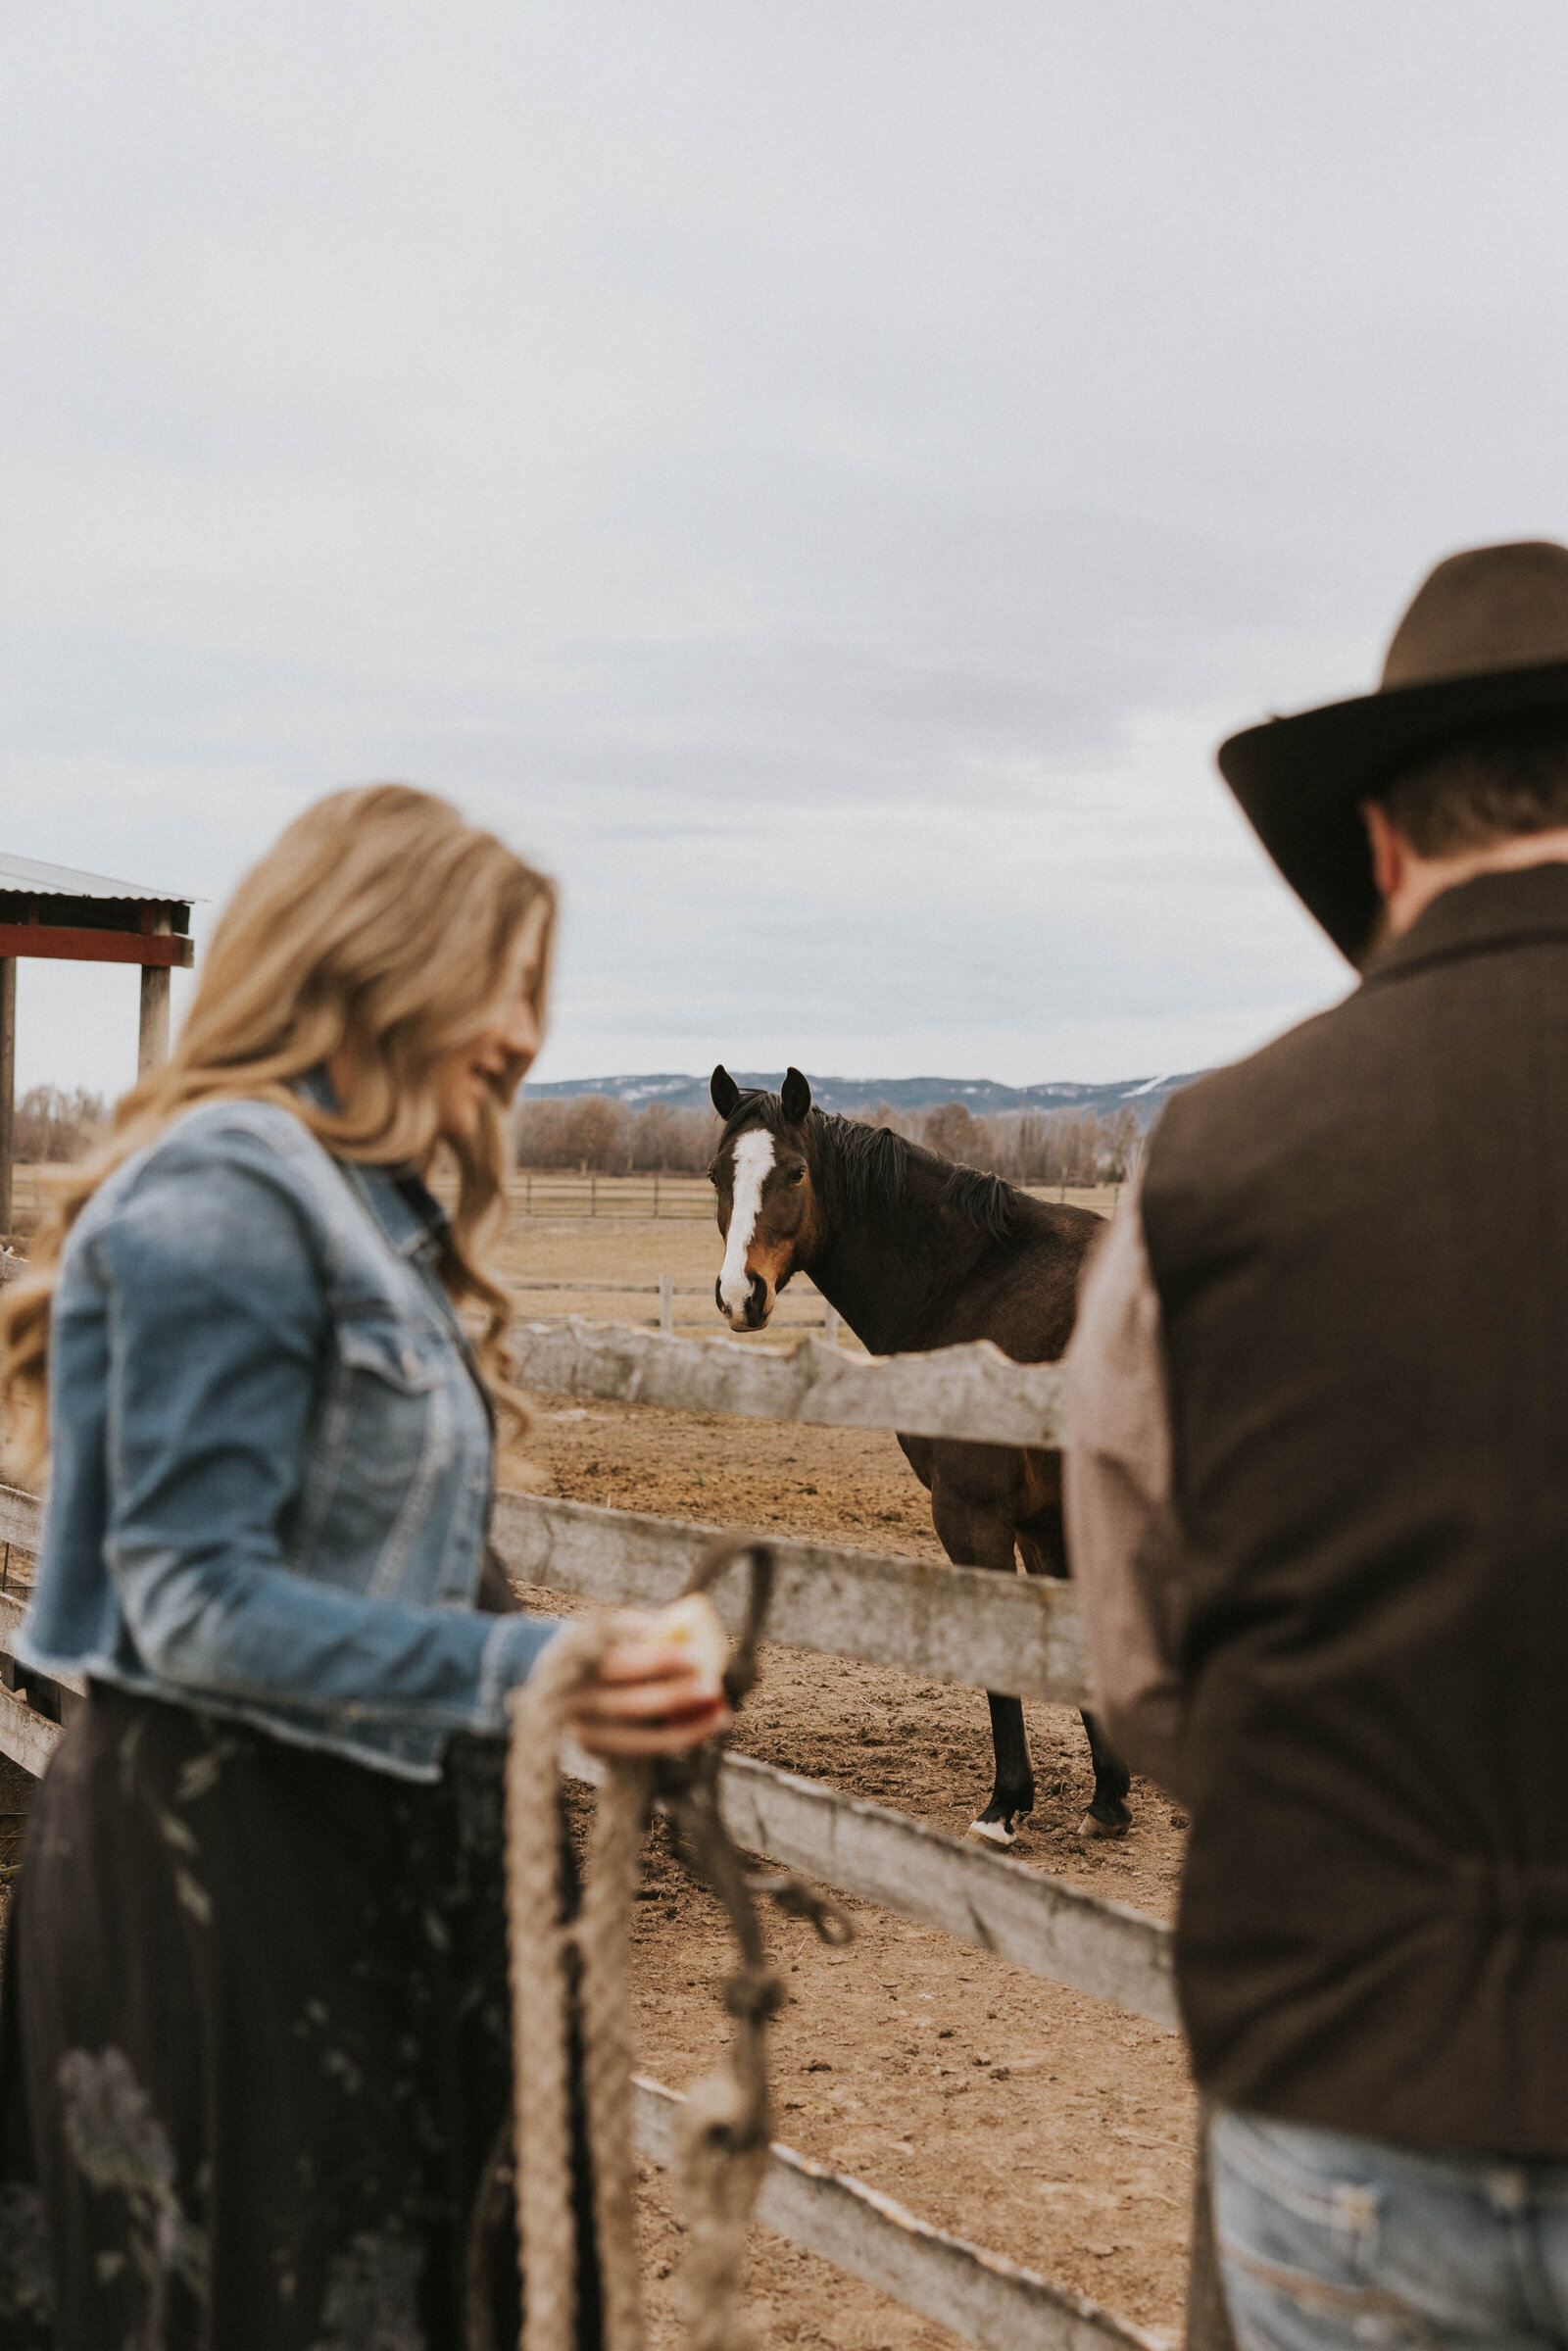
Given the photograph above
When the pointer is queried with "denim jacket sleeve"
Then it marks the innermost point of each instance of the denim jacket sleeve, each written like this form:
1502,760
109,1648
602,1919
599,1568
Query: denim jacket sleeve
219,1331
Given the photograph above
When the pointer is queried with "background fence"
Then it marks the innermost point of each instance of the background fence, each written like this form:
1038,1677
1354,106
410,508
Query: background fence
667,1290
552,1196
690,1198
956,1624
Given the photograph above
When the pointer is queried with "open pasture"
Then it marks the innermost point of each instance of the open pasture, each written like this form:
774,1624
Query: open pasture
624,1243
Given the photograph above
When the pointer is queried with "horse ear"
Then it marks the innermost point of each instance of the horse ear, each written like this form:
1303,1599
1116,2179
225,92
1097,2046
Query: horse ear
723,1091
796,1097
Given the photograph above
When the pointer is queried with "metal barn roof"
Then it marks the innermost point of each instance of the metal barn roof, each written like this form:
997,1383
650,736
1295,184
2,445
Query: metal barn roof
64,881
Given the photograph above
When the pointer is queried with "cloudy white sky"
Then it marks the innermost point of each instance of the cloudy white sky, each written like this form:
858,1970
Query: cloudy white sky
819,475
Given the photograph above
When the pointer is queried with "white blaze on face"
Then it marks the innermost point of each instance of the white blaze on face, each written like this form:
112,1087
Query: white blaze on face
754,1157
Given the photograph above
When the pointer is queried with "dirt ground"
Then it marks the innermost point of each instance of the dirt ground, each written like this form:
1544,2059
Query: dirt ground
1035,2121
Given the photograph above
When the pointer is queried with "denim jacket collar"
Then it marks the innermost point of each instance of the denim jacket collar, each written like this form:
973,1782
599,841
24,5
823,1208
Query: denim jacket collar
408,1215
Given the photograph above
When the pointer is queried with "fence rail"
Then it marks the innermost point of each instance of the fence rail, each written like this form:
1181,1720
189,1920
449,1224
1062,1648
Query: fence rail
973,1392
967,1625
988,2300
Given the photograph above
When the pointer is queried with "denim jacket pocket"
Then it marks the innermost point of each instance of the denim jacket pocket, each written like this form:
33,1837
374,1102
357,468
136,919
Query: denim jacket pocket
381,1402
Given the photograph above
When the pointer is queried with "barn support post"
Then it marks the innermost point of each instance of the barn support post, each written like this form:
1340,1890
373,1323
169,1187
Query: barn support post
666,1304
8,1085
152,1035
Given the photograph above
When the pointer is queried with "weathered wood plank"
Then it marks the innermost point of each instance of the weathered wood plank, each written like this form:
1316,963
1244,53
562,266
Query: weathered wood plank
28,1739
13,1608
972,1391
20,1518
948,1624
965,1889
980,2296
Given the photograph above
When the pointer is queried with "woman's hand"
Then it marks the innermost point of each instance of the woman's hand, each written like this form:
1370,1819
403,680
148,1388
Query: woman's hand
650,1695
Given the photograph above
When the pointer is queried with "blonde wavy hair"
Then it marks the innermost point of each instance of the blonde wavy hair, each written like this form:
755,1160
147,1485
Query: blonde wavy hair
379,922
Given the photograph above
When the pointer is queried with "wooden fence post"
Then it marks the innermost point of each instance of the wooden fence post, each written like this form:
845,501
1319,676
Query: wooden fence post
830,1323
666,1304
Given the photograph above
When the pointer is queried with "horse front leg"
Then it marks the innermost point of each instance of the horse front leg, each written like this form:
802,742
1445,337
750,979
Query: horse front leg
976,1531
1108,1814
1044,1550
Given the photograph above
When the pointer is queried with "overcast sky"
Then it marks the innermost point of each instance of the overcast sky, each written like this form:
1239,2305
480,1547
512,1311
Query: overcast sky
821,478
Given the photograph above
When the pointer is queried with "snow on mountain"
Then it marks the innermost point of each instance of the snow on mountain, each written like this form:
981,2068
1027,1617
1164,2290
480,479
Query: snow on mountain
983,1096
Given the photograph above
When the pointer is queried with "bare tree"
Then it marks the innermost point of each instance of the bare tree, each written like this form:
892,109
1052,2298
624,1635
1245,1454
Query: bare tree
954,1132
52,1124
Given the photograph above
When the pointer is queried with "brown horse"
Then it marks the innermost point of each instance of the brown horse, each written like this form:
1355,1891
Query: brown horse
916,1252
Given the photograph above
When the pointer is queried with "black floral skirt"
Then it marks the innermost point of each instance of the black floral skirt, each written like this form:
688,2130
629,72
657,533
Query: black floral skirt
255,2051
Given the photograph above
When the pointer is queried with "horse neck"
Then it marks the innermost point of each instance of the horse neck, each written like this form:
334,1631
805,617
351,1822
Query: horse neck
885,1266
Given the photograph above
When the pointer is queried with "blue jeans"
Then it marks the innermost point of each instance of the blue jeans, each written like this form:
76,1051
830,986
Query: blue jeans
1326,2240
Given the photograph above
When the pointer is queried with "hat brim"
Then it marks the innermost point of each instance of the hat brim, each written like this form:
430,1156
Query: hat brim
1301,781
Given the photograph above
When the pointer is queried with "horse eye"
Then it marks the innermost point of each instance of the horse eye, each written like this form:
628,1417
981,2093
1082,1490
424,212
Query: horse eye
797,1175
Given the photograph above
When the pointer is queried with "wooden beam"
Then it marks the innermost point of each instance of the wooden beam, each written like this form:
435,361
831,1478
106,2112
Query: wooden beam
973,1392
982,2297
1037,1921
1019,1634
27,1738
965,1889
1034,1921
8,1087
20,1519
61,941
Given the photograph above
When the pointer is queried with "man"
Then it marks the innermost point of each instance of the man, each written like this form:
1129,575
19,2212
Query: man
1319,1506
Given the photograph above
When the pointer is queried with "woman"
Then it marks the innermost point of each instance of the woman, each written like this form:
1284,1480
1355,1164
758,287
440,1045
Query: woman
254,2038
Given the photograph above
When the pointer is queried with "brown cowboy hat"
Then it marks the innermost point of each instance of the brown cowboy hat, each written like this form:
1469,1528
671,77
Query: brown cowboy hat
1486,637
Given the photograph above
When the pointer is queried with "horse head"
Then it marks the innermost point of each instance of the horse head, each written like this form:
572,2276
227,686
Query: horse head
767,1207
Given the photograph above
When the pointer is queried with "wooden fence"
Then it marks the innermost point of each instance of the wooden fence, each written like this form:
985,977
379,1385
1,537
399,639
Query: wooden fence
684,1198
956,1624
667,1290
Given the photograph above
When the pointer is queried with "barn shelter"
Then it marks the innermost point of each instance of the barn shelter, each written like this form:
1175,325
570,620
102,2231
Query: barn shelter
74,917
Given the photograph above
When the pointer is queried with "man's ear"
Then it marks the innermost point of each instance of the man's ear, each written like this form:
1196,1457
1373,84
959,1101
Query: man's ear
722,1091
1390,852
796,1097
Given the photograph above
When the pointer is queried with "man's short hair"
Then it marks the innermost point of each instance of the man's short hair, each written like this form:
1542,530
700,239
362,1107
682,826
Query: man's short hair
1501,777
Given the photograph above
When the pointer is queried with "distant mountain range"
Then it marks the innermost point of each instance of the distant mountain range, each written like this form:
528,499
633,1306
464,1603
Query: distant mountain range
983,1096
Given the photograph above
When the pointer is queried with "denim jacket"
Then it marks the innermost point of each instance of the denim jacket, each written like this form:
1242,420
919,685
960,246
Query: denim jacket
271,1451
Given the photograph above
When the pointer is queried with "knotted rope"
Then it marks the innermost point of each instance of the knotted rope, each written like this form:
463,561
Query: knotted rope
725,2126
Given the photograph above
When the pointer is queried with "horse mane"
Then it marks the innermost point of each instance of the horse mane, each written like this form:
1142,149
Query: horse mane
872,1164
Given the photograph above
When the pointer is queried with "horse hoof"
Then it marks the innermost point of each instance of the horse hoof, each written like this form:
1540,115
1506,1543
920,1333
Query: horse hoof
995,1833
1090,1827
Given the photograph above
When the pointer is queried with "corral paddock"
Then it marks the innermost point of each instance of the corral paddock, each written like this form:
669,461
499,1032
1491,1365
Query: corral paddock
1045,2125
